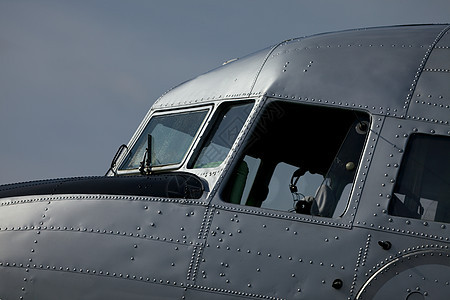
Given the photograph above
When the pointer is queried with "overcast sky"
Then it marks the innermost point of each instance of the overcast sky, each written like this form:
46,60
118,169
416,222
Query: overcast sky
77,77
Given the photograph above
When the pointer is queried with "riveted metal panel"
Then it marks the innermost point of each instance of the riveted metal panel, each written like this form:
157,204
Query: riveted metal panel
84,253
233,80
383,172
275,258
130,216
202,292
384,269
152,218
439,60
444,41
431,100
379,65
420,273
366,68
79,286
151,240
373,212
14,217
14,283
16,248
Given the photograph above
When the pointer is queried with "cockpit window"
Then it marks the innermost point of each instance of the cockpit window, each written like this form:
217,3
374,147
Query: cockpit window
423,185
299,158
171,137
222,136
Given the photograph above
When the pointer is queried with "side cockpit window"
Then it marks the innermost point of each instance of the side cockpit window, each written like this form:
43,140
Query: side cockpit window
226,128
422,190
299,158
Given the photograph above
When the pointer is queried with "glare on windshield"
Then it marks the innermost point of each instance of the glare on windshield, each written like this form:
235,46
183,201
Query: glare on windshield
172,135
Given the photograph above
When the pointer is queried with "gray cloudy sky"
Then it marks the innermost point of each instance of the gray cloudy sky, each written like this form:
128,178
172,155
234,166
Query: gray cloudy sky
77,77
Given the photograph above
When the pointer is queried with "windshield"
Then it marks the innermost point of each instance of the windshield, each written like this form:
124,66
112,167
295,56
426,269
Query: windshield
223,135
172,135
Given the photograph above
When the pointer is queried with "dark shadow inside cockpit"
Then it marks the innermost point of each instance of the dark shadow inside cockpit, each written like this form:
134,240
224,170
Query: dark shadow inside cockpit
299,158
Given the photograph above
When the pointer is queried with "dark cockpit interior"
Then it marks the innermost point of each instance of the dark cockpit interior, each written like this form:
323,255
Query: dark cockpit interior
306,140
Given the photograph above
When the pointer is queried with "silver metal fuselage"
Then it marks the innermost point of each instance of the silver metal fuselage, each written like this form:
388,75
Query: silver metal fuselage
130,236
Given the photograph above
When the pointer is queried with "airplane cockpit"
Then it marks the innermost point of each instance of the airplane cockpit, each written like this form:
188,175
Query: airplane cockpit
295,157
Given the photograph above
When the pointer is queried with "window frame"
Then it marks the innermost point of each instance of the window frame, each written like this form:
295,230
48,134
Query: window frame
380,168
158,113
345,219
419,141
220,110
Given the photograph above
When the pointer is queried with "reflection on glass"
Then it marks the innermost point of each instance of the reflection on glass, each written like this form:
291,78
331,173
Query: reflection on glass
172,135
223,135
423,185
